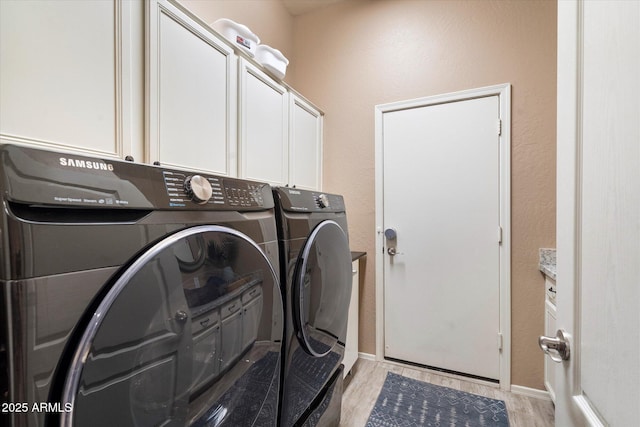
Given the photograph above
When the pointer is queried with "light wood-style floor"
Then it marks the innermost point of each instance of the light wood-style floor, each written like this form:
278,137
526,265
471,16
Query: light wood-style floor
364,383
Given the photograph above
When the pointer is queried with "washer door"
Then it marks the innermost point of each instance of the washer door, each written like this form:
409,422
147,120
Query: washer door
322,289
189,334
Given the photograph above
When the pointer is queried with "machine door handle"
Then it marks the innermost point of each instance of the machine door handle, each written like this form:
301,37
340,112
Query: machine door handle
557,347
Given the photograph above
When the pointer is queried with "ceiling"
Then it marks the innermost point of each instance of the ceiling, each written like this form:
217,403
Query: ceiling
300,7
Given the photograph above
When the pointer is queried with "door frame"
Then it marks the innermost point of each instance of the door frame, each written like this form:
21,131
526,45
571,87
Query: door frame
503,91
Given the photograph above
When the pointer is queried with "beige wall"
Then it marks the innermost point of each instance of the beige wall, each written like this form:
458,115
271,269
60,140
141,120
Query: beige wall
352,56
348,57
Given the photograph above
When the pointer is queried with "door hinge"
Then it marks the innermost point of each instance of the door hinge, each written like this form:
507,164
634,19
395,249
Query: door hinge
500,341
499,127
499,235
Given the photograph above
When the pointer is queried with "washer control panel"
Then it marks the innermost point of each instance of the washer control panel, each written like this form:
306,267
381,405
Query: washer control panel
212,191
198,188
183,187
297,200
322,200
244,194
31,176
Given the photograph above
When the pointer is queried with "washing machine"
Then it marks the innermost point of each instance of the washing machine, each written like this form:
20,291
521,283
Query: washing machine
135,295
316,283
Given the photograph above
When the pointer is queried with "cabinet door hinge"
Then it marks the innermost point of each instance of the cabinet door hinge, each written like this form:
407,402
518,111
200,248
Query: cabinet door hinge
499,127
500,341
499,235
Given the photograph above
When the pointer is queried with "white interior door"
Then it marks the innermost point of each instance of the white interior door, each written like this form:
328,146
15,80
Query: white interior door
599,212
442,197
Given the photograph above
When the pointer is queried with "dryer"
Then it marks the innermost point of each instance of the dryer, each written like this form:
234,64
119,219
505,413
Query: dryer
135,295
316,283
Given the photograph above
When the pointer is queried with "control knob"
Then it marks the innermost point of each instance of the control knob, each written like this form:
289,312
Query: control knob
323,201
198,188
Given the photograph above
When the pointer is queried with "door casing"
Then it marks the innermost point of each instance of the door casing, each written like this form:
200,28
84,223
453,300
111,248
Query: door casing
503,91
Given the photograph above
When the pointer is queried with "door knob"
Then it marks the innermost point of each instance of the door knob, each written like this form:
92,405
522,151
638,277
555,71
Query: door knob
392,251
557,347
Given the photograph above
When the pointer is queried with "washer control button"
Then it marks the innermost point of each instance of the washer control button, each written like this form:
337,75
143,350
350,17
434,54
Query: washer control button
198,188
323,201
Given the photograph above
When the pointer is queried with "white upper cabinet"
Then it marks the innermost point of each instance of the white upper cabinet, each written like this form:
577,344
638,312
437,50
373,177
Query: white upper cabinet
150,80
280,133
305,144
264,116
71,75
192,93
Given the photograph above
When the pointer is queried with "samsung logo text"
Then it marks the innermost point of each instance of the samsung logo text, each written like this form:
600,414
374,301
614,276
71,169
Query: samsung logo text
85,164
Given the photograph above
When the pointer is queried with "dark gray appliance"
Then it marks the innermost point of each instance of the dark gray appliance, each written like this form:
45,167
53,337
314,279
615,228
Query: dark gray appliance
316,280
135,295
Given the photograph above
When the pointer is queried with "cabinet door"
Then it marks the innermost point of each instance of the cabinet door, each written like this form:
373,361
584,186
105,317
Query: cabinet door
305,142
191,93
550,331
72,75
263,126
351,346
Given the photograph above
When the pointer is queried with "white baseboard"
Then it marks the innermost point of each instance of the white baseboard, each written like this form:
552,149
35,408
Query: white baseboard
530,392
367,356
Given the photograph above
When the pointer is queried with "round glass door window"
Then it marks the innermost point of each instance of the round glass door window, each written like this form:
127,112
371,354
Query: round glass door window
322,289
188,335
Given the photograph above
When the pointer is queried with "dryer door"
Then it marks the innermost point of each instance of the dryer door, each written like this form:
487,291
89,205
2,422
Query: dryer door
322,289
189,334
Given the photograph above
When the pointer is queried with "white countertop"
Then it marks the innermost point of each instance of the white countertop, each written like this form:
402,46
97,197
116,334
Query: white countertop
548,262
